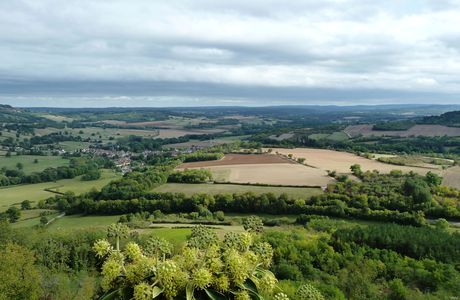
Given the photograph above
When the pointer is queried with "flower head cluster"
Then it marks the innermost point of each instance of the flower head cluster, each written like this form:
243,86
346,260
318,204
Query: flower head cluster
309,292
264,252
281,296
143,291
158,247
267,283
133,251
102,248
226,267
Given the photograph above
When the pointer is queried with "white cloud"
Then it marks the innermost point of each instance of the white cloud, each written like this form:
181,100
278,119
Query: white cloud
402,45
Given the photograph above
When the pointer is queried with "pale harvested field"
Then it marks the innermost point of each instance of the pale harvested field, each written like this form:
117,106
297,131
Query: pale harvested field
417,130
341,161
239,159
276,174
452,177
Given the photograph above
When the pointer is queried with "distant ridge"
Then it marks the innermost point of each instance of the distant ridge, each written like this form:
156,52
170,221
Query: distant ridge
451,119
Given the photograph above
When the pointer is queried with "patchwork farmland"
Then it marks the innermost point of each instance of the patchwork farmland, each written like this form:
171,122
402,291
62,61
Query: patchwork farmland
262,169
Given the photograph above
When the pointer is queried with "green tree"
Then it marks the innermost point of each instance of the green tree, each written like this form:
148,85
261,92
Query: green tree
357,281
433,179
397,290
442,224
41,204
19,277
356,170
43,220
418,191
6,234
26,205
13,214
219,215
19,166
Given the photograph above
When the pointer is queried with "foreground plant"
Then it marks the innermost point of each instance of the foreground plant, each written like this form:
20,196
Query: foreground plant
206,268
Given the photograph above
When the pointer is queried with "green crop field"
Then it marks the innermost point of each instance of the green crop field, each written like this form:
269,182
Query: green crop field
34,192
29,165
190,189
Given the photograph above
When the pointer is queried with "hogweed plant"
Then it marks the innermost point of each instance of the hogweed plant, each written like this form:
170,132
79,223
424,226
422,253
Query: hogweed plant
206,268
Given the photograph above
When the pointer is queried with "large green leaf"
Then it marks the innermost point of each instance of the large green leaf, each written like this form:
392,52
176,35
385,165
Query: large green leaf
251,287
112,295
213,295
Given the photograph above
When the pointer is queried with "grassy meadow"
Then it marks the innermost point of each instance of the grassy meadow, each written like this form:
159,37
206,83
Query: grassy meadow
14,195
28,162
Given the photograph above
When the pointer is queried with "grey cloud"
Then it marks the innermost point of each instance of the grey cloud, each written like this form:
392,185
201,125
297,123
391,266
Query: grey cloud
333,50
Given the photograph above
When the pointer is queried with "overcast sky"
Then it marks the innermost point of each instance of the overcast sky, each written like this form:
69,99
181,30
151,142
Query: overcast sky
238,52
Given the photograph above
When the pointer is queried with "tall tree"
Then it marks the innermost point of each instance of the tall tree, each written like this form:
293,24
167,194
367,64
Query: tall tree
20,278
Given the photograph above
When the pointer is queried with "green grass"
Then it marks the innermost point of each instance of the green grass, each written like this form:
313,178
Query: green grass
34,213
78,186
173,235
73,222
72,146
190,189
14,195
221,175
337,136
27,223
32,221
318,136
99,133
29,165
